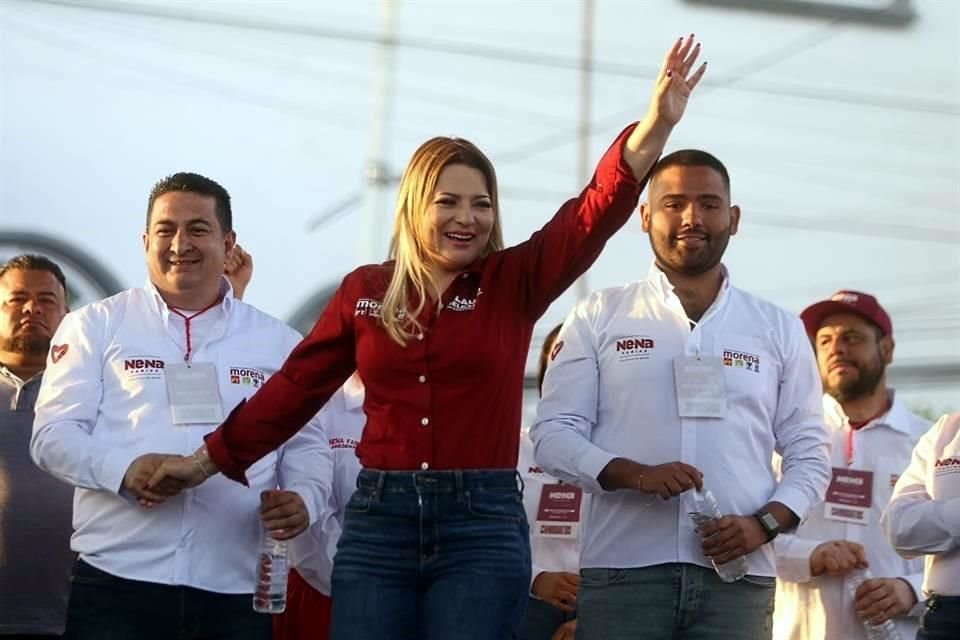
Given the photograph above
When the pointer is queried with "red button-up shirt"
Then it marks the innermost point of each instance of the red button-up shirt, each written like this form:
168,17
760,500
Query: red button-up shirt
451,398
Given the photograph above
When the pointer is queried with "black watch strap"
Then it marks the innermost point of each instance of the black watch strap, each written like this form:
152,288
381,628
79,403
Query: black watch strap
769,523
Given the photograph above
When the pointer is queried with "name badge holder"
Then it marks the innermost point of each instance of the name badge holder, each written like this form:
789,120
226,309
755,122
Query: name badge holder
701,388
193,393
849,496
558,515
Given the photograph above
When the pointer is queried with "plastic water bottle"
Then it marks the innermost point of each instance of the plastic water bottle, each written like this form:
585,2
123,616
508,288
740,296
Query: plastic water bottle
270,592
885,631
705,510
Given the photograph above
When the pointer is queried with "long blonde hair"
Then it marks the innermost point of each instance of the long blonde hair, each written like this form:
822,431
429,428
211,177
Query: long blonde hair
412,246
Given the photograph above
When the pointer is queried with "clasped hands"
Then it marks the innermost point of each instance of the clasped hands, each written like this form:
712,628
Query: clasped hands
155,477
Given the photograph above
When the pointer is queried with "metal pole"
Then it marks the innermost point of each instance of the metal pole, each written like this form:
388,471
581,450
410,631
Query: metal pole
582,288
374,199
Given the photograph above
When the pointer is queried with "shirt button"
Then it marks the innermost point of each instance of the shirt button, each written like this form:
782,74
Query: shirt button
425,421
466,275
424,466
419,336
423,378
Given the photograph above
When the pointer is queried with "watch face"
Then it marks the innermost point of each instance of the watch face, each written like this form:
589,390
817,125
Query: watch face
769,522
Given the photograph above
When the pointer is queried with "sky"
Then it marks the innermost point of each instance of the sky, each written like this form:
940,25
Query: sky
842,138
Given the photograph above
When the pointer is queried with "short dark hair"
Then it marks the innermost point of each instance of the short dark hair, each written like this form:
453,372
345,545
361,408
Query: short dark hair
194,183
545,350
33,262
691,158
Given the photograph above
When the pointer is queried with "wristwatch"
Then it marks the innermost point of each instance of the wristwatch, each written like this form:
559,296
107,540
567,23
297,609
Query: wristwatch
770,525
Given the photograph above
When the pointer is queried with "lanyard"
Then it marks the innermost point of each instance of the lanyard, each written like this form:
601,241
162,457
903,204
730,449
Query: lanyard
186,321
850,446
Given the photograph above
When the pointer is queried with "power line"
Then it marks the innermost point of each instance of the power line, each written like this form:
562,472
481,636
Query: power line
516,56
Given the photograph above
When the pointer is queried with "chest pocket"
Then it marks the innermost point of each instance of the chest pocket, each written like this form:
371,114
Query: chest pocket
750,370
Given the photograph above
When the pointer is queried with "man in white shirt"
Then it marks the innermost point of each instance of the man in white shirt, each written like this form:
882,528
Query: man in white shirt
872,435
555,514
671,383
923,518
307,616
153,369
34,508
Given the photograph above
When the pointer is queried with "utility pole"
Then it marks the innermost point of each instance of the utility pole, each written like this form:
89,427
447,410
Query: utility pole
377,174
582,289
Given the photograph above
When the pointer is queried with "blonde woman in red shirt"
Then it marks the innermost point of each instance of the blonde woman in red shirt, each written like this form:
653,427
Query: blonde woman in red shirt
435,542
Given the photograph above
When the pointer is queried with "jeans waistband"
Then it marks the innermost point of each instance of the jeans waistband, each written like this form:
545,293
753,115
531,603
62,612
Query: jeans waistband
455,481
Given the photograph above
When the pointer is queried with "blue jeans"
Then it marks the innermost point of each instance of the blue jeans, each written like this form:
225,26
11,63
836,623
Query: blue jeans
433,555
941,620
672,602
542,620
105,607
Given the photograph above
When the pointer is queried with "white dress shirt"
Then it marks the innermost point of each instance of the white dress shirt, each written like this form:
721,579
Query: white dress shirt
104,402
547,554
817,608
342,420
923,517
610,392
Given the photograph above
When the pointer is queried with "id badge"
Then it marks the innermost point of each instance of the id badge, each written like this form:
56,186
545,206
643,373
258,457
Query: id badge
849,496
193,393
558,515
701,389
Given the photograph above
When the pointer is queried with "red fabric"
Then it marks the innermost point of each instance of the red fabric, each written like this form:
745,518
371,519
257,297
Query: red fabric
465,412
307,616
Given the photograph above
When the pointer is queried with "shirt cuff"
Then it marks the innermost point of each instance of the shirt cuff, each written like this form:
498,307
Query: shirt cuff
915,580
220,454
592,463
533,576
613,170
793,557
793,499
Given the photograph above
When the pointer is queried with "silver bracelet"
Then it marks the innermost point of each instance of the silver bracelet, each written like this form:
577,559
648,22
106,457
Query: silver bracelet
199,464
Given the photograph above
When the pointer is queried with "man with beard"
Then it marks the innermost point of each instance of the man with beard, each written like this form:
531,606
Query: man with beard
676,382
873,435
35,556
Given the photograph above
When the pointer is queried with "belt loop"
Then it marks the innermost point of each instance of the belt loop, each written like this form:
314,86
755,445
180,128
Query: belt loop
458,480
378,490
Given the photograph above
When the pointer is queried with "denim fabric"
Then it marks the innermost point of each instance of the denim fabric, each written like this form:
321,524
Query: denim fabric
672,602
434,555
941,620
105,607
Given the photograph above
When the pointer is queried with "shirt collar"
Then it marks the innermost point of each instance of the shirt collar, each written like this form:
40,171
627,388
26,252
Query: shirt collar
664,287
897,416
353,393
11,376
226,293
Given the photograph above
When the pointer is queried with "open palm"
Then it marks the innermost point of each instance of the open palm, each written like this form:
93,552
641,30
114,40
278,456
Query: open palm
675,82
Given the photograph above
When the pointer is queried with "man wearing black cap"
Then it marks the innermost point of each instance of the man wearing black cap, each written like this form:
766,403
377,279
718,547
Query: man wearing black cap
873,435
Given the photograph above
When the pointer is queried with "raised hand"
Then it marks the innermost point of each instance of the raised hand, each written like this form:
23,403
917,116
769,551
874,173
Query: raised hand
238,268
675,82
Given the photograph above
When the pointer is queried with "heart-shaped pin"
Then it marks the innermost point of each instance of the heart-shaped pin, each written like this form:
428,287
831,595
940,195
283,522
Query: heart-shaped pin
58,351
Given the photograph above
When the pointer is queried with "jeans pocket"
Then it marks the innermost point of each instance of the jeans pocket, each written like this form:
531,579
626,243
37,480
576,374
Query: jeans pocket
601,577
504,505
762,582
360,501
